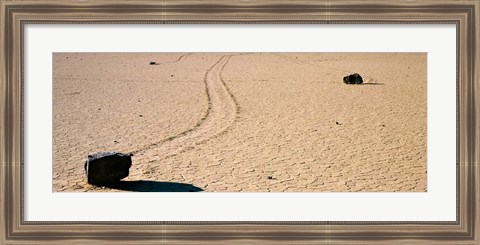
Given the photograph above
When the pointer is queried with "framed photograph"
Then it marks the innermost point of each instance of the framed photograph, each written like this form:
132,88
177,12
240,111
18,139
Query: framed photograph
265,122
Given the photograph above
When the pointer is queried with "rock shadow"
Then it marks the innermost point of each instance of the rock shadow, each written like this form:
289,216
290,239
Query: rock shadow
153,186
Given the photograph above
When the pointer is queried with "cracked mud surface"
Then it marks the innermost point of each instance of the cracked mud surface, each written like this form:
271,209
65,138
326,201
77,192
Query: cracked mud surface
258,122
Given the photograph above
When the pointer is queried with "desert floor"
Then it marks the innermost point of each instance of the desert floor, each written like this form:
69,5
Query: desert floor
243,122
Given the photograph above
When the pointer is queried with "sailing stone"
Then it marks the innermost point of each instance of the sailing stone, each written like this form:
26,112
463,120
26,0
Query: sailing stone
104,168
353,79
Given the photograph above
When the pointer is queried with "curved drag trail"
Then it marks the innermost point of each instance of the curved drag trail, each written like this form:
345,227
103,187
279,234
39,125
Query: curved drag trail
182,57
221,114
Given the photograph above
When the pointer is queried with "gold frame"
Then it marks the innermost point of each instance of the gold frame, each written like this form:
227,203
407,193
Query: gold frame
15,14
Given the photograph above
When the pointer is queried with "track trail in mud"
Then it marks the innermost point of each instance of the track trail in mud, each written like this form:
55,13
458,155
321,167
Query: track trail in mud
180,58
221,114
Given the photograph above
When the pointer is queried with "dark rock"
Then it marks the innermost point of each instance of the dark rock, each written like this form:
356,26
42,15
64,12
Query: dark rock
353,79
152,63
107,167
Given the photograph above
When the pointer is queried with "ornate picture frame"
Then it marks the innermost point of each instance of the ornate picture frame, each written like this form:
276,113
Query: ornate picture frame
16,14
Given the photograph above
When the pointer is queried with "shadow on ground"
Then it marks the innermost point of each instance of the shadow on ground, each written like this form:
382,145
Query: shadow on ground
153,186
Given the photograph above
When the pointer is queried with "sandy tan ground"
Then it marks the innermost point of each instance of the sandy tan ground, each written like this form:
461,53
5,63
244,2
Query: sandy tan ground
252,122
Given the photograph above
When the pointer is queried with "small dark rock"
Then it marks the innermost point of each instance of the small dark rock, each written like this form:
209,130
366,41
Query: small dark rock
104,168
152,63
270,177
171,75
337,123
353,79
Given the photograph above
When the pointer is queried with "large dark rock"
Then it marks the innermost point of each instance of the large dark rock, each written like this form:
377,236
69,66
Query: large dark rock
107,167
353,79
